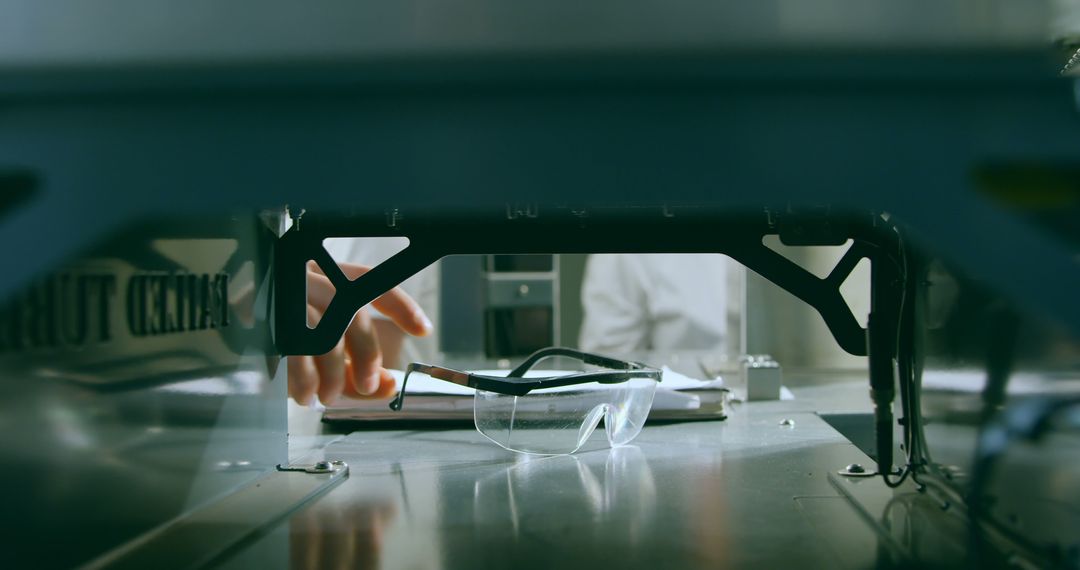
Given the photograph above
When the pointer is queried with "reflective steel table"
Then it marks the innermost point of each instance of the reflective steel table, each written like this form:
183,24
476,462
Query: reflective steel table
756,490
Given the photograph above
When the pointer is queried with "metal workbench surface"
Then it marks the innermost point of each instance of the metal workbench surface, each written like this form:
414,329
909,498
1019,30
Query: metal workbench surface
745,492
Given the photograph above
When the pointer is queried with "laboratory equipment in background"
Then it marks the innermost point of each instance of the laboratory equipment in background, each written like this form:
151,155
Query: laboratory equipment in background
498,306
145,161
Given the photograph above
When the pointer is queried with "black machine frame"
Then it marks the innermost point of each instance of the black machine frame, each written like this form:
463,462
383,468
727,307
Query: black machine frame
944,126
664,228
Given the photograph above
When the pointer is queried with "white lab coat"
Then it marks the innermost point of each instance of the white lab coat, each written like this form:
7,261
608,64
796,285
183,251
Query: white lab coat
659,302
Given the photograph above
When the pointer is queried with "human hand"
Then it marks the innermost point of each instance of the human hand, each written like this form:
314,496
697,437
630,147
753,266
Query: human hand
354,366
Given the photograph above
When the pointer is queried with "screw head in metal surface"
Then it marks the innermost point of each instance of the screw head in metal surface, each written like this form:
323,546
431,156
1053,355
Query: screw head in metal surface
856,470
787,422
322,465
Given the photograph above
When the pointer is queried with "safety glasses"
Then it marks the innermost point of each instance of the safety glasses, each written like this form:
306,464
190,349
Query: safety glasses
552,415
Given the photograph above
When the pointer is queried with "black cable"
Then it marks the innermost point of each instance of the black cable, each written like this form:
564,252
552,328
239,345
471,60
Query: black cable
905,366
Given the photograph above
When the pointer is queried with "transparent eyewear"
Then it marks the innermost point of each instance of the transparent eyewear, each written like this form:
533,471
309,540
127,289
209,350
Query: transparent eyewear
552,415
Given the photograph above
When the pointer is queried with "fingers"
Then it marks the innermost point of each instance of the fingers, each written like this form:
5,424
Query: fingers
404,312
303,379
387,385
386,390
396,304
320,291
331,369
364,356
310,375
354,366
323,375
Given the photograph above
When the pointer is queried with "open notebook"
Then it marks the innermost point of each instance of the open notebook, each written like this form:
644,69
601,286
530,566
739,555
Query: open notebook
678,397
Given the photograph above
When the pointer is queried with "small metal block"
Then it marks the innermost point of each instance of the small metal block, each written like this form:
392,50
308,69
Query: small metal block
761,376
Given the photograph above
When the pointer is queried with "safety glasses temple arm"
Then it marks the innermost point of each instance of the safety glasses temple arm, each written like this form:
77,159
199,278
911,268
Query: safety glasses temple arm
438,372
522,386
517,386
586,357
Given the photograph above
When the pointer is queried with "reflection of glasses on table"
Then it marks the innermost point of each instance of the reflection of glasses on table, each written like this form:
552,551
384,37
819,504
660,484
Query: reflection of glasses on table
554,414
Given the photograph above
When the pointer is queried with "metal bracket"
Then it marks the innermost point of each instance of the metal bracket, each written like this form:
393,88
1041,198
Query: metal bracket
317,467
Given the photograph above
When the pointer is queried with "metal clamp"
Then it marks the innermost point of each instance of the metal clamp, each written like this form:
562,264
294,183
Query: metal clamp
317,467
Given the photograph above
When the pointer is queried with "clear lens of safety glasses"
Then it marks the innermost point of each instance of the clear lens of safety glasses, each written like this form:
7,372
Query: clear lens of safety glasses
555,421
532,412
